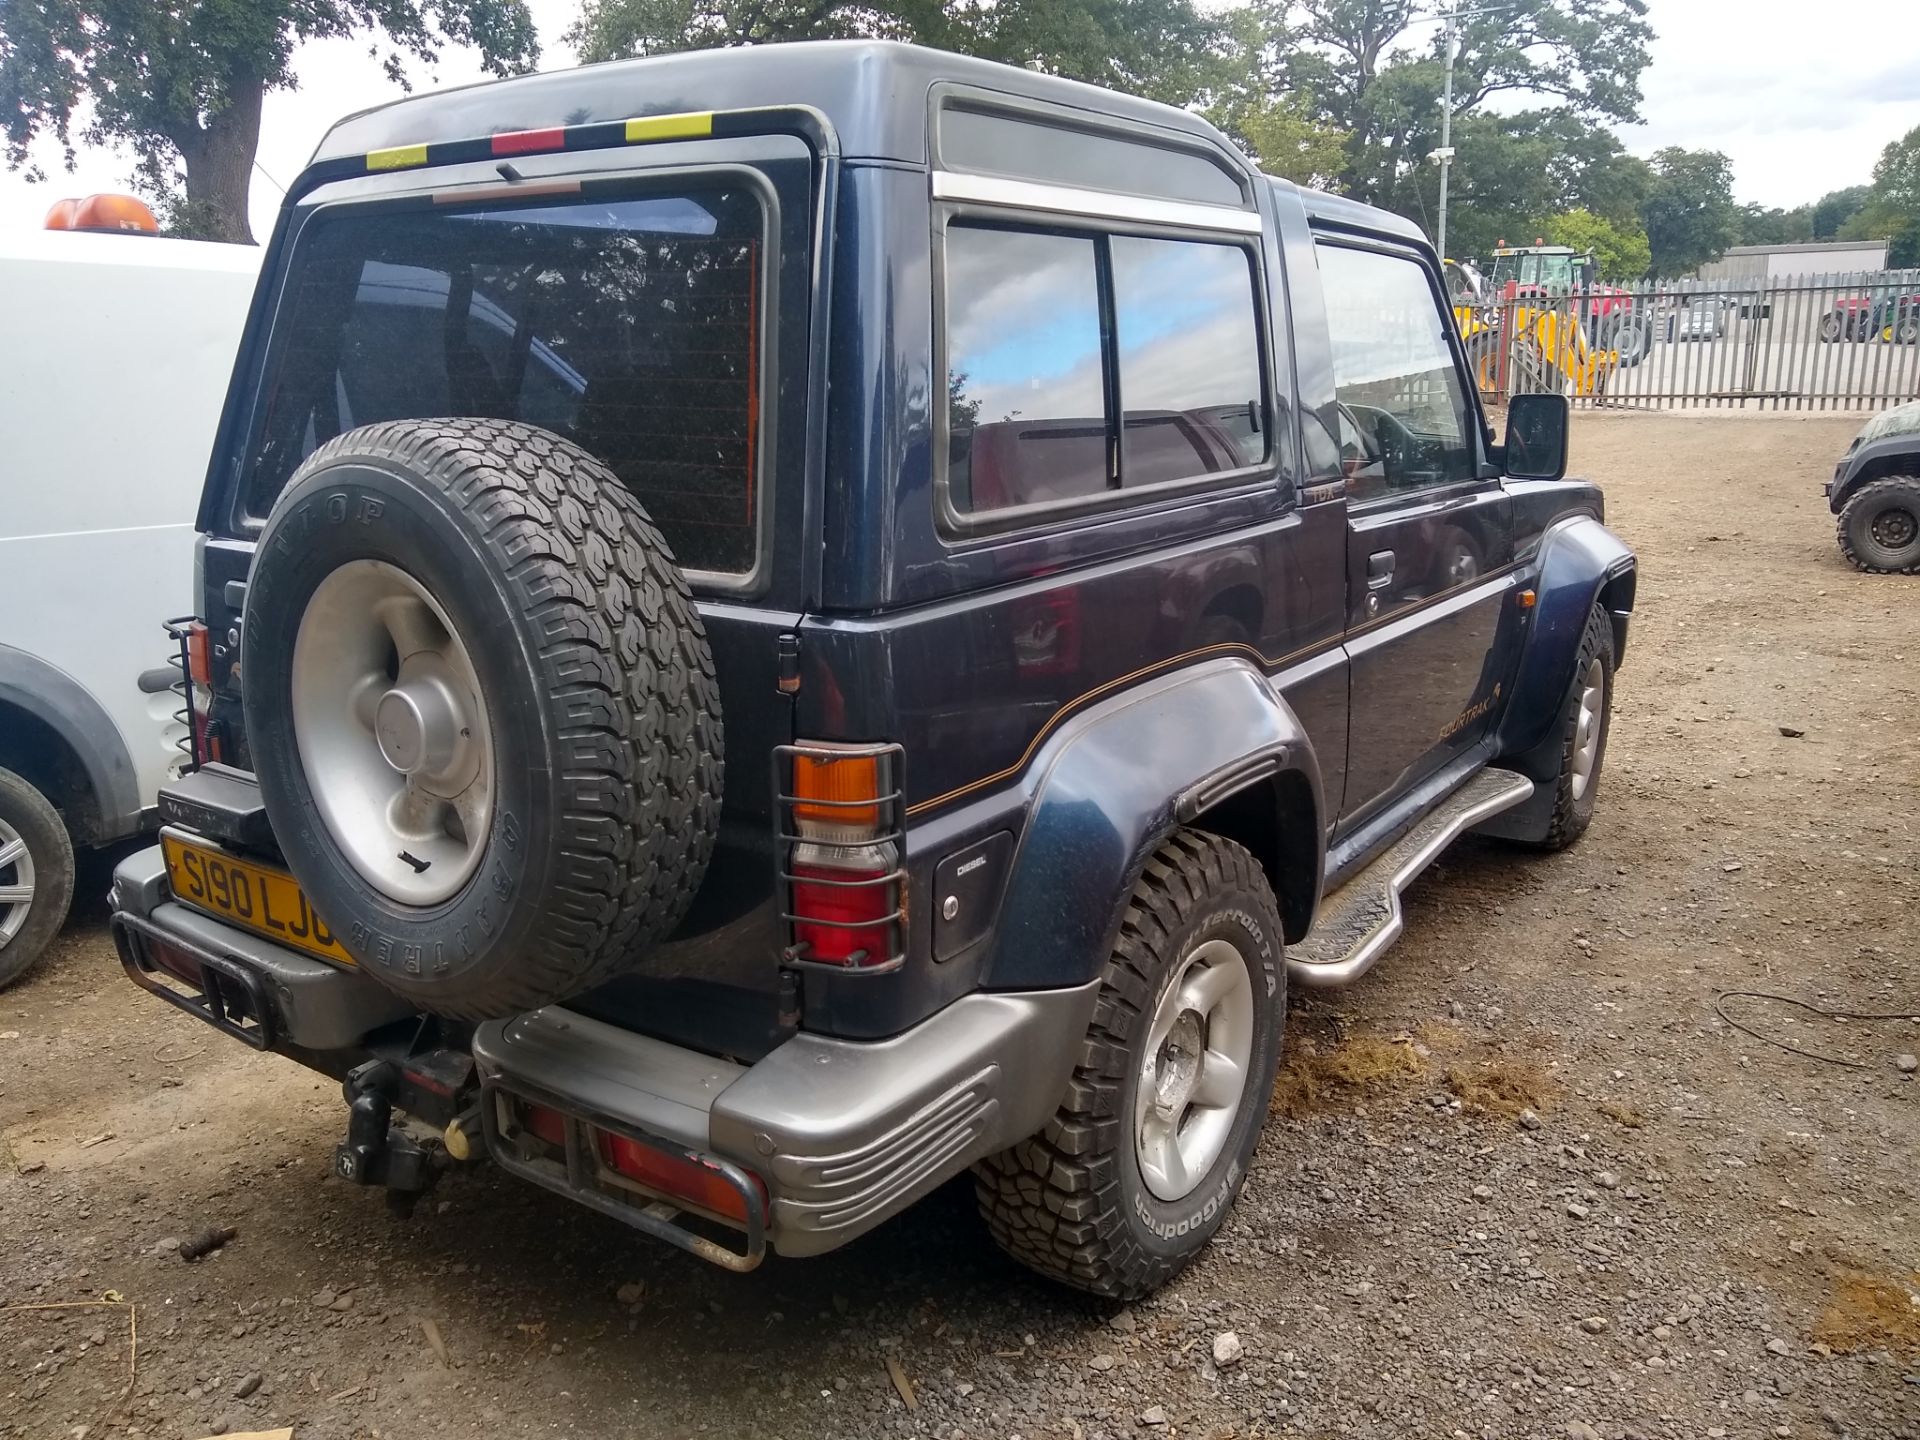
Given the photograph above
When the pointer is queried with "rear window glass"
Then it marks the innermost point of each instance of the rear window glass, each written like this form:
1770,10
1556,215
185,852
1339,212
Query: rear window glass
1042,330
1189,359
1026,369
628,326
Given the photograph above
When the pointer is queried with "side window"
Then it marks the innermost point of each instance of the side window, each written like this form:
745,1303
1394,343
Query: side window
1045,329
1189,360
1027,415
1404,413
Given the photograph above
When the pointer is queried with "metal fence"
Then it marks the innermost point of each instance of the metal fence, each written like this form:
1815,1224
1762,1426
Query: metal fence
1824,342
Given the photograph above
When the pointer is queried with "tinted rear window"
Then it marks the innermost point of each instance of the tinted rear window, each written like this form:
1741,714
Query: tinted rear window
628,326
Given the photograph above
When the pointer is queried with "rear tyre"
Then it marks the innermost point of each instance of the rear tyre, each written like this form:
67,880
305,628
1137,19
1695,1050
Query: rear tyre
36,875
1151,1144
1585,717
482,712
1832,328
1879,527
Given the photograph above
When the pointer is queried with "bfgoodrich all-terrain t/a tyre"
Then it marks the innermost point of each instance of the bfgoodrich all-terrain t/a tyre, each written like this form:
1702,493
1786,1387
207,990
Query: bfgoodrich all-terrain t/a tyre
1151,1143
36,875
482,711
1879,527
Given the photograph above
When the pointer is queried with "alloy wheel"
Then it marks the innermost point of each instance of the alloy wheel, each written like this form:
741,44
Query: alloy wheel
1586,729
16,883
393,732
1193,1079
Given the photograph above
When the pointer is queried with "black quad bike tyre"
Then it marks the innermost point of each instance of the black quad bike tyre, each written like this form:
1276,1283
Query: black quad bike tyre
28,814
1879,526
596,682
1072,1203
1574,803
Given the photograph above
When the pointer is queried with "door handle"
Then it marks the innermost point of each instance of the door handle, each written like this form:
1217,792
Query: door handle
1380,570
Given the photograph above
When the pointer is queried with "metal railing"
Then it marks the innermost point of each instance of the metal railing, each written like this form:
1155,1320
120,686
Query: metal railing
1823,342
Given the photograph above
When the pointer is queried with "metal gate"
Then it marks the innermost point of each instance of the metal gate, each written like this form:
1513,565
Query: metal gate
1826,342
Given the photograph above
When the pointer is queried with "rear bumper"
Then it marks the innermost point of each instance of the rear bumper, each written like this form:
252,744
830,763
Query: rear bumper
272,998
844,1134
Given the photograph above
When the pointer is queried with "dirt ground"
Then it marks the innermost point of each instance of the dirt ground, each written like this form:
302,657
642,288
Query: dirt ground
1522,1181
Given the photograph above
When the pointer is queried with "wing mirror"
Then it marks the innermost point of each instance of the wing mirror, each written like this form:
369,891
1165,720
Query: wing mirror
1537,427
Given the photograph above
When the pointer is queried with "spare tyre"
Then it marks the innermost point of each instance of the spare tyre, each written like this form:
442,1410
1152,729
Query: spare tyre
482,710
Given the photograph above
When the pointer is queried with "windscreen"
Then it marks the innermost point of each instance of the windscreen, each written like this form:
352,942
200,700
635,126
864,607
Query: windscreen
627,325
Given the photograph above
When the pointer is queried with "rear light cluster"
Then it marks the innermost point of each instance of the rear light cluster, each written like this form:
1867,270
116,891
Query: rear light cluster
193,658
842,840
680,1177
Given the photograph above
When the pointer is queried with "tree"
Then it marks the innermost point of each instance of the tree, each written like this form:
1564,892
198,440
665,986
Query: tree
1836,208
1620,251
1689,212
1165,49
1892,209
1374,70
1250,100
181,82
1285,140
1761,226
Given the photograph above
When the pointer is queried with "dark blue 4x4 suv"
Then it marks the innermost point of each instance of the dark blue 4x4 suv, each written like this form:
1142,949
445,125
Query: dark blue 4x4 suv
781,624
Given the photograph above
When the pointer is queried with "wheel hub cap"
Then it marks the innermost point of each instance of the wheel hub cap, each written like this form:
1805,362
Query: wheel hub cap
392,732
1895,528
1193,1079
1586,726
16,883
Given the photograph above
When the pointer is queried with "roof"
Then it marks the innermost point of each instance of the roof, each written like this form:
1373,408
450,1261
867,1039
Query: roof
1806,247
155,252
1339,210
873,92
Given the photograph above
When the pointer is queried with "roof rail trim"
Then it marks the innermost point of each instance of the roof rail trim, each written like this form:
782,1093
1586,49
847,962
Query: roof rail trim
806,122
1094,204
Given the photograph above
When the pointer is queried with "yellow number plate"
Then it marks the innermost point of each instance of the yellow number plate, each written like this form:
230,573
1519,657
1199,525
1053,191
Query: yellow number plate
248,894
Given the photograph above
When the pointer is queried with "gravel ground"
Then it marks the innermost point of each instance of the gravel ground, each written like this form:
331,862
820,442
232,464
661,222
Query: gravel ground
1522,1181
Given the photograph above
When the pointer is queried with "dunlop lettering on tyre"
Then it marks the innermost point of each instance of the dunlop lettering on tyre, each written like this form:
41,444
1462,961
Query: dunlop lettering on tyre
1146,1153
482,712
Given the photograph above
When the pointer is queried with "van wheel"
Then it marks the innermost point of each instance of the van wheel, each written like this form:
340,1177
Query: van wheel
1150,1146
1879,527
36,875
1586,717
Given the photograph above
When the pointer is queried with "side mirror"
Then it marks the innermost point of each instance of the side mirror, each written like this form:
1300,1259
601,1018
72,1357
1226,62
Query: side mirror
1537,427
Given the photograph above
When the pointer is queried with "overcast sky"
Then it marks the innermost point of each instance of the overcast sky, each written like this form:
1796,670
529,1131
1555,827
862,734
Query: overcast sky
1803,98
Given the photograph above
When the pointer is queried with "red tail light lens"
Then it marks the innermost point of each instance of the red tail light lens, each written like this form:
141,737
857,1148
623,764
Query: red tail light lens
843,916
680,1178
698,1185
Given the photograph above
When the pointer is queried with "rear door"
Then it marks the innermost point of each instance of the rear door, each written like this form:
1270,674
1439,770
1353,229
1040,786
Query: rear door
1429,536
653,305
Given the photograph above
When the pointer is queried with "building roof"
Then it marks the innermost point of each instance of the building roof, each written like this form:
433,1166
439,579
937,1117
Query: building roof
1806,247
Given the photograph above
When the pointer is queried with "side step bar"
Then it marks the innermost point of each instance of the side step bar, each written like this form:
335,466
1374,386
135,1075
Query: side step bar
1362,918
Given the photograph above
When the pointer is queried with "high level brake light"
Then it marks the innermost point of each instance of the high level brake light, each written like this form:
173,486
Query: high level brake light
842,842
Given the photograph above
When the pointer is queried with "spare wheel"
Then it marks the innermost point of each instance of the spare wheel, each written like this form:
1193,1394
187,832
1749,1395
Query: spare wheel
482,710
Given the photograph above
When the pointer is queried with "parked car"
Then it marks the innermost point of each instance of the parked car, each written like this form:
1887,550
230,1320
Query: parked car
1875,494
1703,317
789,738
115,351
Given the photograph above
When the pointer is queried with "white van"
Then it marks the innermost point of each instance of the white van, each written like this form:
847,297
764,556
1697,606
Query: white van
115,351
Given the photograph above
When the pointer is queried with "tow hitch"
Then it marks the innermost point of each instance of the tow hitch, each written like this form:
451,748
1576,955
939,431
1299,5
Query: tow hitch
377,1151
